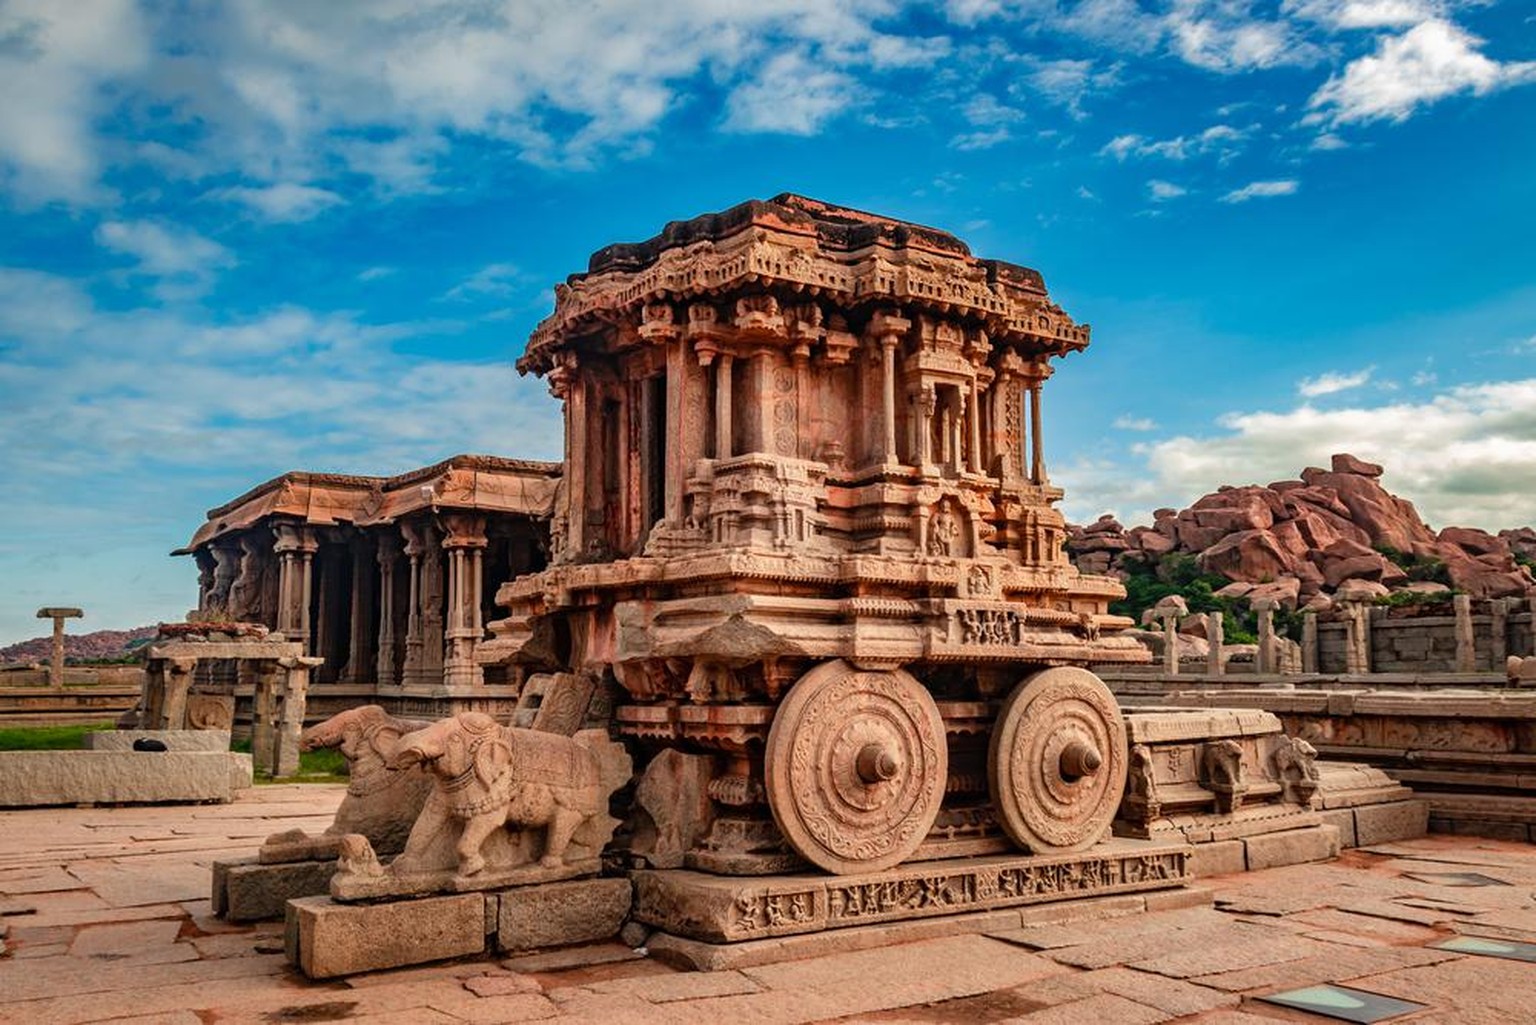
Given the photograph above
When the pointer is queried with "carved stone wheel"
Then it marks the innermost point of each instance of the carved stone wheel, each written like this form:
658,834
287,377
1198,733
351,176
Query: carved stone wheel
1057,761
856,765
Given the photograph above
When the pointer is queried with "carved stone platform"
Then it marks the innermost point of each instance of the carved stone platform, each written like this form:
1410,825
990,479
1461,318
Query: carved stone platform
718,909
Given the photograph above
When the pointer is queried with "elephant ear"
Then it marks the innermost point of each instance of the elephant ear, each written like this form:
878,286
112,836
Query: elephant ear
384,741
491,760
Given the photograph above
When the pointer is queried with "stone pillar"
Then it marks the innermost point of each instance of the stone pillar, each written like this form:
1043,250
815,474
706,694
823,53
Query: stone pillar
360,659
576,465
924,405
723,397
264,716
1498,633
295,549
290,713
1004,452
56,655
1214,634
1357,638
1265,661
1171,642
464,541
677,384
178,681
975,464
887,329
1036,439
414,546
226,567
762,401
387,551
1309,642
1466,640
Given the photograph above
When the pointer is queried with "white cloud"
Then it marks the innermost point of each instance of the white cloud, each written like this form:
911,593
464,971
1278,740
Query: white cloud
1262,190
285,202
52,58
1327,142
1431,61
375,273
1456,455
1359,14
1225,37
989,119
1135,423
1332,382
183,263
793,95
1222,139
1069,83
1161,190
495,280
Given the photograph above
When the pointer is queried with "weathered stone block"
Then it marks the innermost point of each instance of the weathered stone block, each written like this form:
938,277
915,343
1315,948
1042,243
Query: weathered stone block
245,891
325,939
174,740
41,778
557,914
1342,819
1218,859
1292,847
1400,820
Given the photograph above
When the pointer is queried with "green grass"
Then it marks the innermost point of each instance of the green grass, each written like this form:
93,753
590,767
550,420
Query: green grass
323,766
48,738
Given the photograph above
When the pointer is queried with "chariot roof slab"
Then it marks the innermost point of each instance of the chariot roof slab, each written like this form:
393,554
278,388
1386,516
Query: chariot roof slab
860,262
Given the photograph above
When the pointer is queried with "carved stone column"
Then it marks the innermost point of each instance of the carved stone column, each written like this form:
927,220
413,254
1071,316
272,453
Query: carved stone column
464,542
387,551
264,715
1309,642
888,397
924,405
290,713
1041,371
415,544
974,415
226,567
723,398
360,657
1215,634
1265,610
1171,642
295,547
178,681
1466,639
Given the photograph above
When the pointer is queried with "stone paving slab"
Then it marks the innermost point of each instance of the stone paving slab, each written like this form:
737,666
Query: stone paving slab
84,945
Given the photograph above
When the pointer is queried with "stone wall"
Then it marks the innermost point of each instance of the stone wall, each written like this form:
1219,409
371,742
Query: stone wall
1427,644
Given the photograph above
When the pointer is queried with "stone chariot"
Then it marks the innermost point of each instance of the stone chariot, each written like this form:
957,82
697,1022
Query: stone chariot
806,529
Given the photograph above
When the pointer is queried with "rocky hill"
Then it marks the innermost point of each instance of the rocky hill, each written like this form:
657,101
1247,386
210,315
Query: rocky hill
88,647
1300,542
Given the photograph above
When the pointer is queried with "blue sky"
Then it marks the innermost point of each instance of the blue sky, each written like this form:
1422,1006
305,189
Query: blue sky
242,238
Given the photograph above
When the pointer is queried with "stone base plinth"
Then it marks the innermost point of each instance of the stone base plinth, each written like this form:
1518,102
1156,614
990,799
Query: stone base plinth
325,939
30,779
558,914
247,891
1318,841
174,740
718,909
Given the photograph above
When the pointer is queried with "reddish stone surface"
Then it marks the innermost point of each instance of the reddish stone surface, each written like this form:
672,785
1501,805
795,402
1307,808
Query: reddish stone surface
1314,535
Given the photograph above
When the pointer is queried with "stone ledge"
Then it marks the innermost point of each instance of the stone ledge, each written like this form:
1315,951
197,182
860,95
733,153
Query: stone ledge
560,914
30,779
174,740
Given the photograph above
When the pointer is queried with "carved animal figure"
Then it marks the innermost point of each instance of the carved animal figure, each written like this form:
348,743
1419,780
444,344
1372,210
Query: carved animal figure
489,776
380,804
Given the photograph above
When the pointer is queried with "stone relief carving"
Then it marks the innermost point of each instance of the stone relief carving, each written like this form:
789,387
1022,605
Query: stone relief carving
1221,772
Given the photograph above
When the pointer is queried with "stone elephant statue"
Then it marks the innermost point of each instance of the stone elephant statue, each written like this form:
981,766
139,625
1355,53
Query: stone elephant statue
489,776
380,804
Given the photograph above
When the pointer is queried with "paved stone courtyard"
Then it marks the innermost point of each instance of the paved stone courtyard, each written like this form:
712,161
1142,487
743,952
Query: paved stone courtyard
106,917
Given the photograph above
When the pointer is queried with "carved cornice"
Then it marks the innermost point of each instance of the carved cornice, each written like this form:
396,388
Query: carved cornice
855,258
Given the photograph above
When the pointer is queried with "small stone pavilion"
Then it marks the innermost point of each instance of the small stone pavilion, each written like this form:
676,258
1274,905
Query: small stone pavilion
389,579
